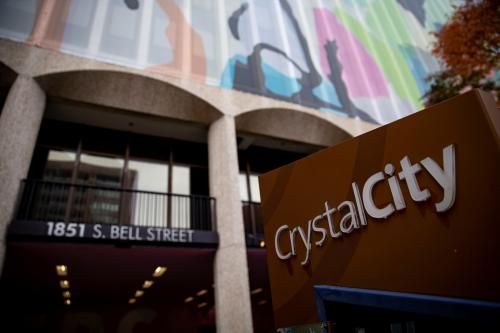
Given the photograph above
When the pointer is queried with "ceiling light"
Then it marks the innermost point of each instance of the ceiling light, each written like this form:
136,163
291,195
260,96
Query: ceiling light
67,301
66,294
139,293
189,299
262,302
64,284
147,284
256,291
159,271
131,301
202,304
62,270
201,292
262,243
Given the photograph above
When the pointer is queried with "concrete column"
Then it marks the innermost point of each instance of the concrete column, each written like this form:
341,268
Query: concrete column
19,124
232,294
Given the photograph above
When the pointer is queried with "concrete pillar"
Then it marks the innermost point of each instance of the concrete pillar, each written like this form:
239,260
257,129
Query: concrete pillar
232,294
19,124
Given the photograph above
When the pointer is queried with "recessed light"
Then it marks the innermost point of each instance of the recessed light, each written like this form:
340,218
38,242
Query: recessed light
132,301
64,284
62,270
201,292
159,271
189,299
66,294
262,243
202,304
67,301
139,293
256,291
262,302
147,284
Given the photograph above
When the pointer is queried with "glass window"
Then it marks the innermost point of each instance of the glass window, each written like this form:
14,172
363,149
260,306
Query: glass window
243,187
52,197
59,166
254,188
205,22
103,191
100,170
78,25
147,176
97,205
146,209
17,18
121,30
181,205
160,49
181,180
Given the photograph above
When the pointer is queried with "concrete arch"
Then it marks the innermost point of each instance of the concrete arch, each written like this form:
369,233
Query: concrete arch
128,91
290,124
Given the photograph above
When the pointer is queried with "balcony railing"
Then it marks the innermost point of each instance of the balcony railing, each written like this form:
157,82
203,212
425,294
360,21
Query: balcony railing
54,201
252,218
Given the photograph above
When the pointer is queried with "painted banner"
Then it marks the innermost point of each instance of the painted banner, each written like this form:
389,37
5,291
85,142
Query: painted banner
410,207
363,58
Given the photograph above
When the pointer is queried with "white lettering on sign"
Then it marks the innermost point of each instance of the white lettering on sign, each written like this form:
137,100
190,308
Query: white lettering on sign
353,214
62,229
119,232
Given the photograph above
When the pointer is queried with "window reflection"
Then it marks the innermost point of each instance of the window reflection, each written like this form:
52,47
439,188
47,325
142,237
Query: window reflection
110,177
52,198
100,170
59,166
98,205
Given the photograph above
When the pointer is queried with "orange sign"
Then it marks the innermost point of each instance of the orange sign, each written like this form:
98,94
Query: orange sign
409,207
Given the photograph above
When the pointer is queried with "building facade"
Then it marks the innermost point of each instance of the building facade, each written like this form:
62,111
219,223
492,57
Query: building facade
158,116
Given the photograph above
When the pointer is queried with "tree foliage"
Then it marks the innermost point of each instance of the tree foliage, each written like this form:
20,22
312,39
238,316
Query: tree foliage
468,47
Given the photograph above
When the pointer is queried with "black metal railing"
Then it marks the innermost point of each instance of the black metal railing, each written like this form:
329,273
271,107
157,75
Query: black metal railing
252,218
56,201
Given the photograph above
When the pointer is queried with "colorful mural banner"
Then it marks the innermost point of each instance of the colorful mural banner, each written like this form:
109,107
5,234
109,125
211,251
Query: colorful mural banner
365,58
